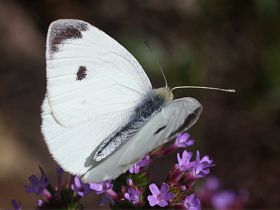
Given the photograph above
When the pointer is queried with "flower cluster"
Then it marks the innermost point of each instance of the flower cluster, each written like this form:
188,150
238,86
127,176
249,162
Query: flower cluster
66,194
132,189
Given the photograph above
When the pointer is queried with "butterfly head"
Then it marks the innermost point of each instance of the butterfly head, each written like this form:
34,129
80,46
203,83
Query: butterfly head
166,93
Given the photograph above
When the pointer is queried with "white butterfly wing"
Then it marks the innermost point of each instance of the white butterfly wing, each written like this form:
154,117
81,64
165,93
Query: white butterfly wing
93,84
175,116
89,73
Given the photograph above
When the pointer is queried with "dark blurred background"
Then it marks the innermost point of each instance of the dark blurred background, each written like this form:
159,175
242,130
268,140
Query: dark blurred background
231,44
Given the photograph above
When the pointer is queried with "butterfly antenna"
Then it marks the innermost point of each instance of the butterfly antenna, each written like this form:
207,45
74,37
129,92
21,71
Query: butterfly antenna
203,87
155,58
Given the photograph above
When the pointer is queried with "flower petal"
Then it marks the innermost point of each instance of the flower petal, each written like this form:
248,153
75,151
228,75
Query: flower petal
77,182
126,195
184,137
29,189
192,203
96,187
163,203
16,205
169,196
33,180
164,188
154,189
152,200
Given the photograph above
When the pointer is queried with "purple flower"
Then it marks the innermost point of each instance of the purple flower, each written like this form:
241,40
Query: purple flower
101,187
192,203
104,189
184,163
183,140
133,195
160,196
38,186
223,200
79,187
201,167
16,205
135,169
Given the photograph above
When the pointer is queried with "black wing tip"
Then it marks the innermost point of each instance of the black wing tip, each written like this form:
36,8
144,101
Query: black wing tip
64,29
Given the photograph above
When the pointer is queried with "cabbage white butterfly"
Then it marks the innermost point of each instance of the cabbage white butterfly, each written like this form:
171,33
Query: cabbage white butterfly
100,113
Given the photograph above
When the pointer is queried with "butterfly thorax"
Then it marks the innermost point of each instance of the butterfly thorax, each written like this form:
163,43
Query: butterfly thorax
151,103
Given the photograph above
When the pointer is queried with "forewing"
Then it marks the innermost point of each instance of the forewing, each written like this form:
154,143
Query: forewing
93,84
89,73
176,116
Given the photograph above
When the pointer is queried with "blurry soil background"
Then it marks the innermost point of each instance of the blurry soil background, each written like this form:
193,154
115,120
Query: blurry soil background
231,44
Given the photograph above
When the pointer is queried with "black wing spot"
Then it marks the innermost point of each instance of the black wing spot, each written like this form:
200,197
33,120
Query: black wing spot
160,129
81,73
63,31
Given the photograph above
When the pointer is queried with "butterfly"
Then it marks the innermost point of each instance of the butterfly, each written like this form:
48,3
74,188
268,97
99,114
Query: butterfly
100,113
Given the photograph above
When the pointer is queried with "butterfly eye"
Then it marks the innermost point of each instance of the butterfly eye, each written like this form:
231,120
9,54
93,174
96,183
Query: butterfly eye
81,73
